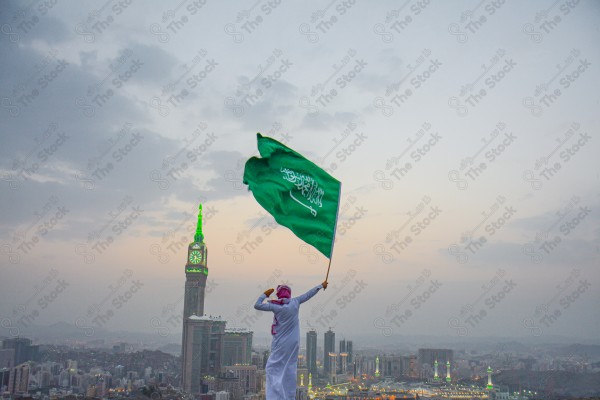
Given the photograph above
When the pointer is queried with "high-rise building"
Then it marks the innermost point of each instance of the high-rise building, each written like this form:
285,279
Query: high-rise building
237,346
247,376
328,347
203,351
23,350
4,377
311,352
228,382
349,351
202,337
391,366
18,381
7,358
343,359
429,356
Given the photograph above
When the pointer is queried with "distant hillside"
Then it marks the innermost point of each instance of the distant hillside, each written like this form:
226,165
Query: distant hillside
68,334
589,351
171,348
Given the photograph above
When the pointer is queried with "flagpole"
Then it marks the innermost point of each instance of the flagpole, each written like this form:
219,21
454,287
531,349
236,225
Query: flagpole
334,231
327,276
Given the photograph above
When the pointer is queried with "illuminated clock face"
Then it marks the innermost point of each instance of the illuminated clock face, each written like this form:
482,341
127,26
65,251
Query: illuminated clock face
195,257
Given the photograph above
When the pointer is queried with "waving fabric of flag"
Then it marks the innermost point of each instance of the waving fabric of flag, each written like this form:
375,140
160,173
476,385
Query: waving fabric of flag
296,192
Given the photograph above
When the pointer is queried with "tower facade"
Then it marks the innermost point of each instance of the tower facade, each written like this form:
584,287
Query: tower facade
18,381
311,352
23,349
429,356
329,347
237,347
349,351
203,352
343,361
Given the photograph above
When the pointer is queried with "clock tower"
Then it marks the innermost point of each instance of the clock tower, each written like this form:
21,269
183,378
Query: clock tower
202,335
196,272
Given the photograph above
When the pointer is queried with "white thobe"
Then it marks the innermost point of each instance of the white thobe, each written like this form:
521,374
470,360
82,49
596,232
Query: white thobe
283,361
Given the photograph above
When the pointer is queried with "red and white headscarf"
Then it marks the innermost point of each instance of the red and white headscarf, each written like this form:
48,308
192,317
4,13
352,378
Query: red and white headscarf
284,292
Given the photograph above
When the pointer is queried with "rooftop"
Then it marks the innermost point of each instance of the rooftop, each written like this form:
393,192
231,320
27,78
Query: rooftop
205,317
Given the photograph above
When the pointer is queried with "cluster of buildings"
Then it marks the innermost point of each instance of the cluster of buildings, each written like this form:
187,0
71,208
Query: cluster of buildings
14,370
59,371
218,363
216,359
336,366
324,372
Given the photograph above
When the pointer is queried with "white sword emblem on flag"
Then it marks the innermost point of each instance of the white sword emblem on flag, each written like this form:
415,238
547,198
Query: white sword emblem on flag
308,187
312,210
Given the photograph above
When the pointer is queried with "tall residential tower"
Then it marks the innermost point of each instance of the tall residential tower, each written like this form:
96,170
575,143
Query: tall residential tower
329,348
311,352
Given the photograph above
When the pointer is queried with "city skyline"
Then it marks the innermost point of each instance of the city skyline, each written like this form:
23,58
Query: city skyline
466,149
542,371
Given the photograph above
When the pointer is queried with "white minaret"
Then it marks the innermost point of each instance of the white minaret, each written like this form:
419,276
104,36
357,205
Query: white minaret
436,377
448,379
377,366
490,385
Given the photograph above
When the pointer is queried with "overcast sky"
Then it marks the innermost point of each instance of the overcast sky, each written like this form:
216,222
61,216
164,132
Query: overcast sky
465,135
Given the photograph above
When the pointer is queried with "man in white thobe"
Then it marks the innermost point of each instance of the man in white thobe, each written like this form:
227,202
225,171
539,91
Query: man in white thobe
283,361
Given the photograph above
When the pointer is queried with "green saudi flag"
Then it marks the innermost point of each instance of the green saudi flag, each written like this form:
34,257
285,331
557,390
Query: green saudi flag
296,192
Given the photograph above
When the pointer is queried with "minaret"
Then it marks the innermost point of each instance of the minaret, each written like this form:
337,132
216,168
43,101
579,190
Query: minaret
490,386
195,273
309,381
448,379
436,377
377,366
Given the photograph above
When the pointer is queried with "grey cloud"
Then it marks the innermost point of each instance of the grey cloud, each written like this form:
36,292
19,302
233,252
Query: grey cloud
229,167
